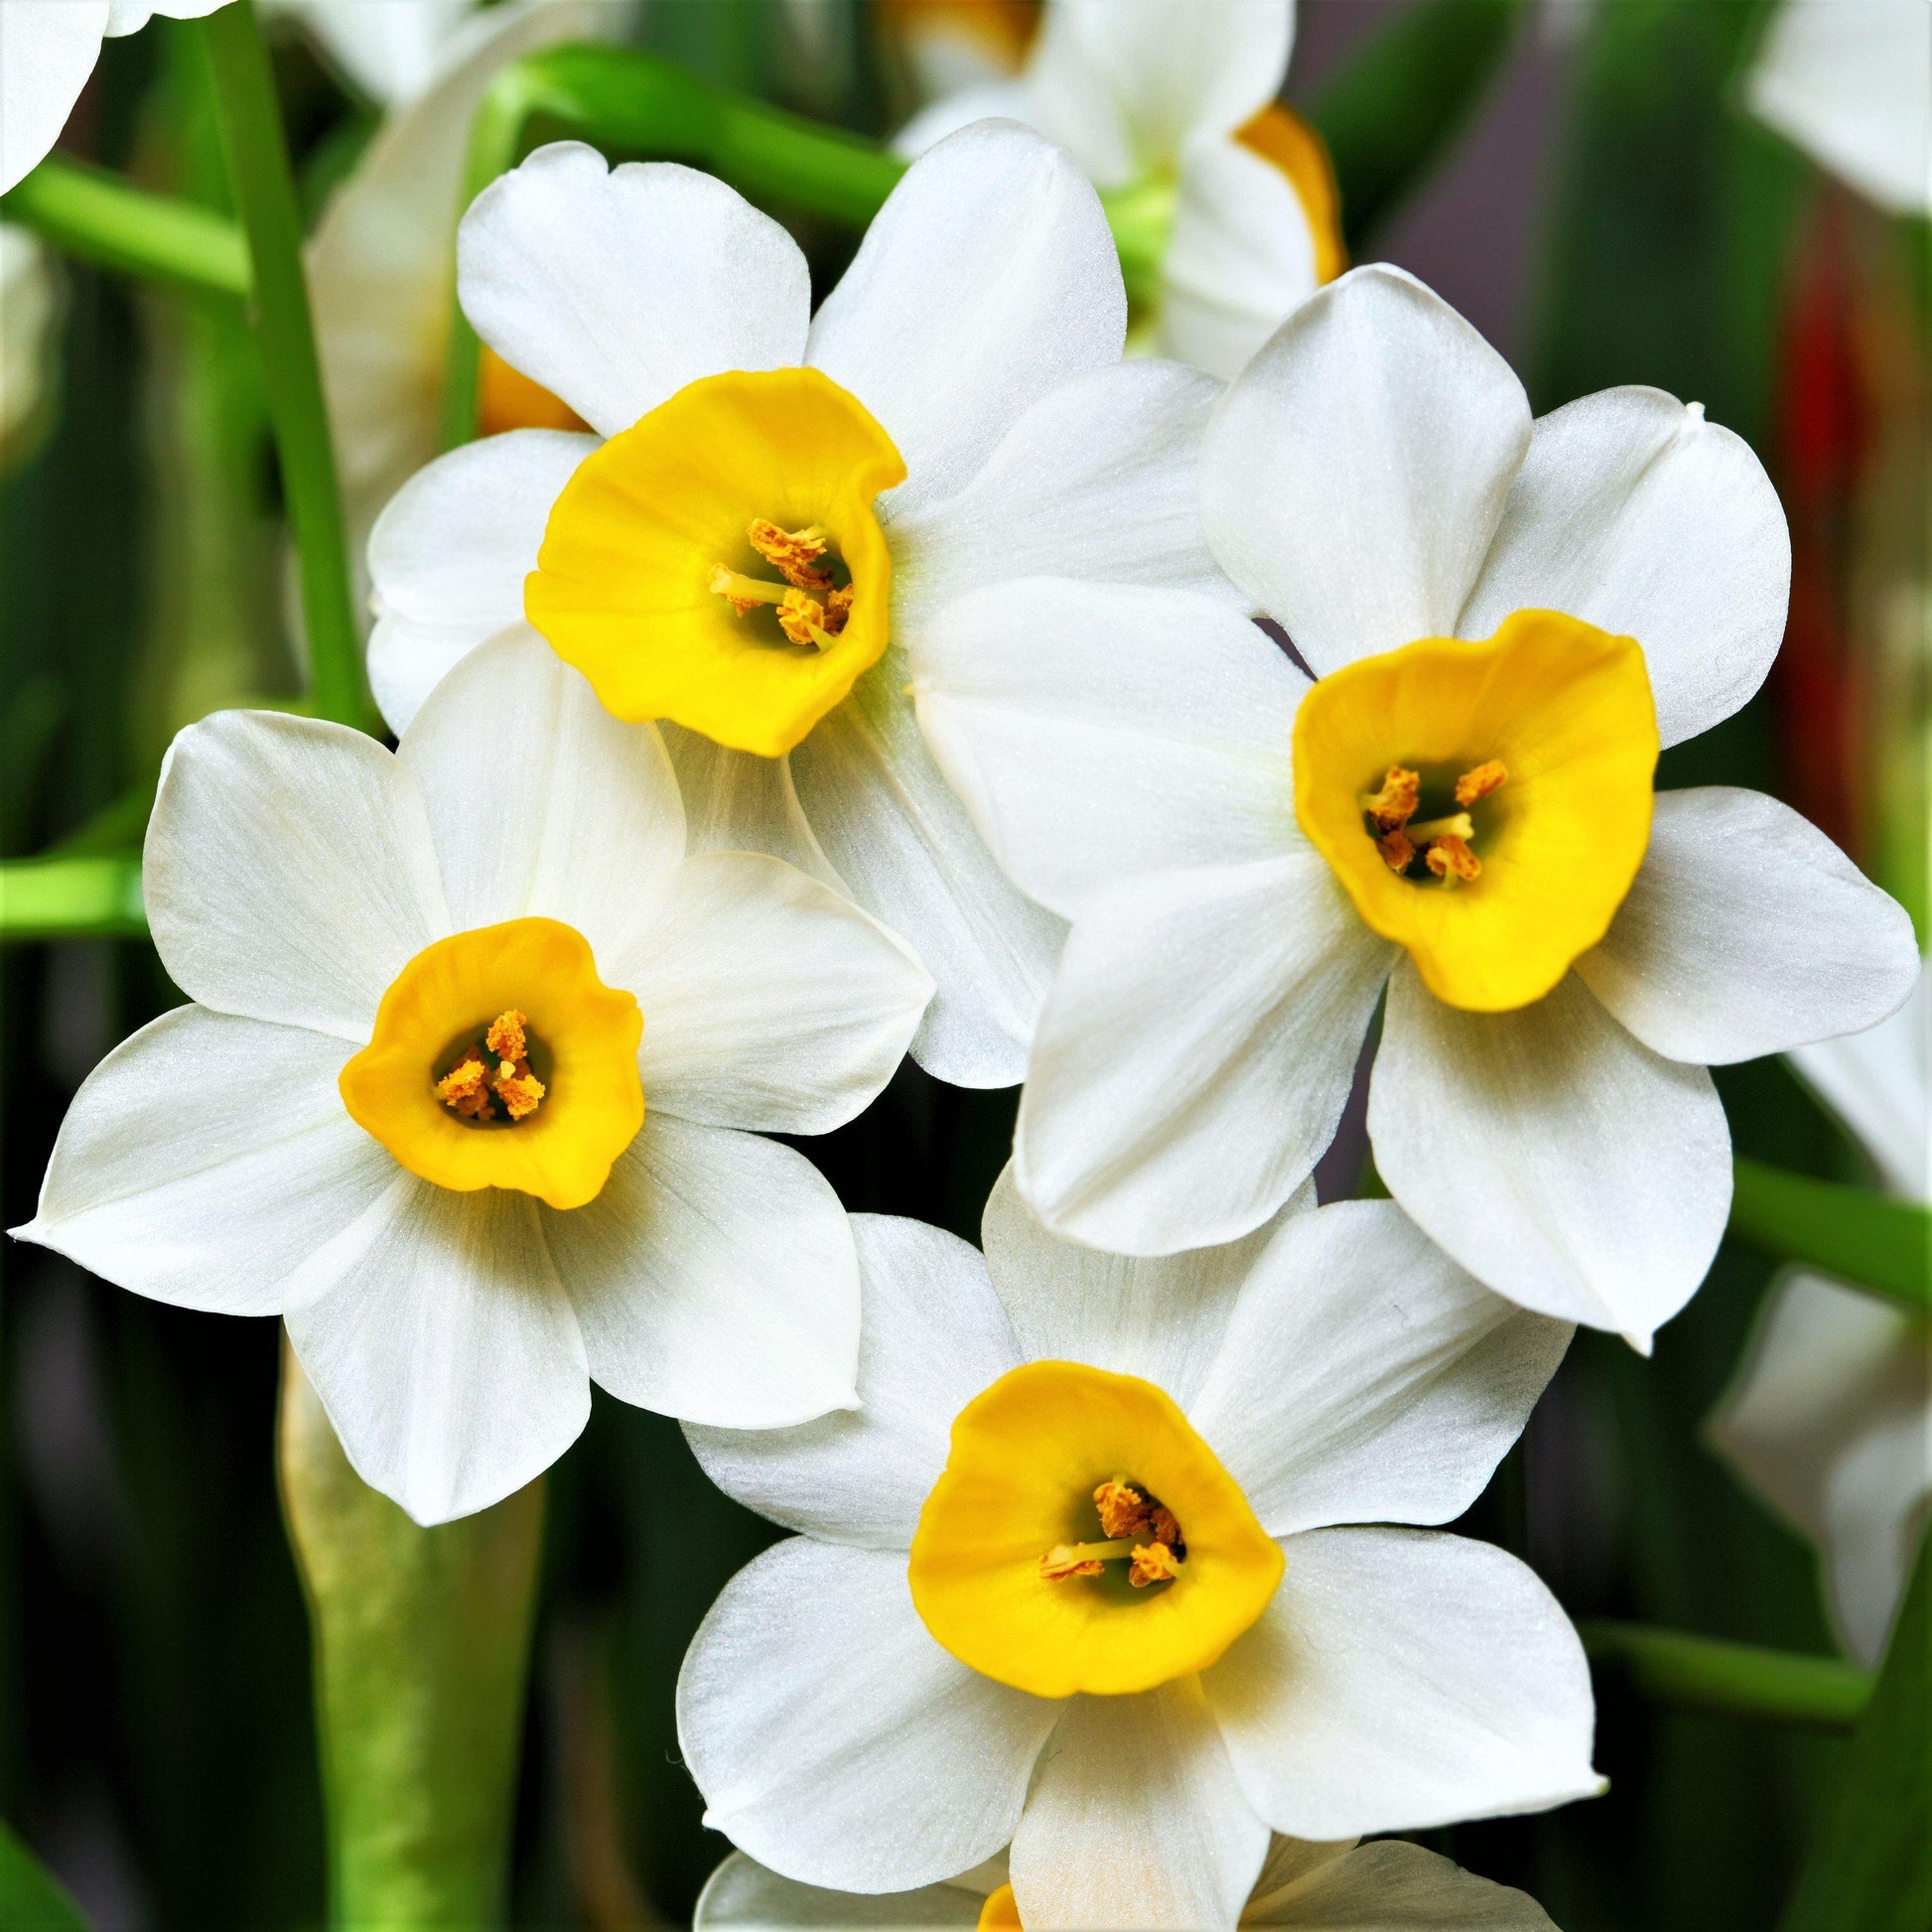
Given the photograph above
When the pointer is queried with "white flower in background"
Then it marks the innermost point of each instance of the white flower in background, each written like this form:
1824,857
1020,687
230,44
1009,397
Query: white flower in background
1072,1577
29,304
1851,82
1251,860
382,258
47,50
785,499
410,1112
947,46
1830,1418
1387,1887
1170,104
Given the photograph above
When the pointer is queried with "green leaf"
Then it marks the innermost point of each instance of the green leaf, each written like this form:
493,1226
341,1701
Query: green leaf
94,214
1394,107
1870,1865
1741,1679
95,896
32,1899
1883,1246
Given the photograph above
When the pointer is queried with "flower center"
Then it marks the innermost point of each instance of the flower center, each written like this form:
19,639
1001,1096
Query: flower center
490,1080
719,563
1485,804
542,1097
812,603
1139,1529
1006,1568
1429,848
1001,1912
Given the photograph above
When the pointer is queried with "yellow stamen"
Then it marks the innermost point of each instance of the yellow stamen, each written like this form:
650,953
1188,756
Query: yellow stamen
518,1091
1481,781
794,554
1065,1560
506,1037
1123,1510
803,618
1153,1562
1394,804
1450,859
463,1091
1396,850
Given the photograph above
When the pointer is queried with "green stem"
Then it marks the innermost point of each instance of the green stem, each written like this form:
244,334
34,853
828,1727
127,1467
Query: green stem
642,106
422,1642
100,218
1881,1246
93,896
264,196
1737,1680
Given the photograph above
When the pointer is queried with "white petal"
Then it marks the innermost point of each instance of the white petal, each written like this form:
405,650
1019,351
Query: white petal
1846,82
1878,1083
890,825
1402,1678
444,1351
1561,1162
616,286
1193,1059
581,819
1394,1886
389,52
736,801
289,871
47,49
1635,514
987,100
204,1159
744,1897
1095,482
1124,82
1747,930
933,1337
1832,1376
1875,1520
1241,257
1098,734
449,555
1365,1378
1135,1820
770,1001
988,279
1162,1320
1354,475
714,1279
834,1740
379,257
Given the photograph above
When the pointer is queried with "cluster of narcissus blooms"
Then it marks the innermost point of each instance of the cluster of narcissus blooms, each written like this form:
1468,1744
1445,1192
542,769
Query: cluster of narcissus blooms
886,679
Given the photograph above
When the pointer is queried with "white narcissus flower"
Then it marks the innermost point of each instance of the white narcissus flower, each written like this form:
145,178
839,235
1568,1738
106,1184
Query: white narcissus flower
785,499
392,50
1387,1887
1170,105
410,1112
382,259
956,1655
1506,619
47,50
1830,1418
1851,82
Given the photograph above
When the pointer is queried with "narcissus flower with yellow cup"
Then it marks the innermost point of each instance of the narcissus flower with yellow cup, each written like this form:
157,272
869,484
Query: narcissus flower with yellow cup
1226,199
1508,620
1389,1885
474,1082
1829,1417
779,502
1080,1574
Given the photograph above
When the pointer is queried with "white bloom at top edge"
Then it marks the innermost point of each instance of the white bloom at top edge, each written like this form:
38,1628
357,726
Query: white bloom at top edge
1174,104
1082,1574
955,414
1342,1888
1506,619
1830,1417
47,49
474,1086
1851,82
